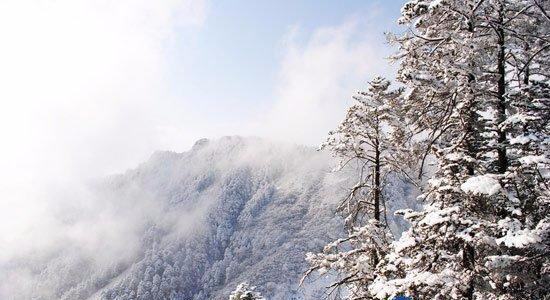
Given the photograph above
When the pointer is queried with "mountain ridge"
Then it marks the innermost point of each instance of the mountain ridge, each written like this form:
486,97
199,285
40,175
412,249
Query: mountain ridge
195,224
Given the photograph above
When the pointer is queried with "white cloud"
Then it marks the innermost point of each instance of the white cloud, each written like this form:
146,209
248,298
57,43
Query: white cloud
80,78
319,76
82,90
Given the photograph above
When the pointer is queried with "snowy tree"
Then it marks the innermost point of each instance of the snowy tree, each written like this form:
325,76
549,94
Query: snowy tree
245,292
483,233
524,227
354,258
373,138
477,78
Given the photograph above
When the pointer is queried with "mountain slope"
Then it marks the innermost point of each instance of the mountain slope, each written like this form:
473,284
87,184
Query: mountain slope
266,206
193,225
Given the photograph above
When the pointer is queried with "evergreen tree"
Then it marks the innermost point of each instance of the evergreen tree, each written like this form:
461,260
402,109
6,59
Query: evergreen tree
478,93
371,138
483,233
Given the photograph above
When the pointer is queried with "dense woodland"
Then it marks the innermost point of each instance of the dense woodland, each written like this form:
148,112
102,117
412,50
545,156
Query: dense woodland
469,125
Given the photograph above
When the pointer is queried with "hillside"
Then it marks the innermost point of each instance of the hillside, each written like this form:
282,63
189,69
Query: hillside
195,224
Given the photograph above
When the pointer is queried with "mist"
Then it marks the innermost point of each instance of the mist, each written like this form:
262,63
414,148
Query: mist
88,91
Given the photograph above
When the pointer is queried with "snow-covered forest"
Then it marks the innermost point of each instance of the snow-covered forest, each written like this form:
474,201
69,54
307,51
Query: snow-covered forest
195,225
468,123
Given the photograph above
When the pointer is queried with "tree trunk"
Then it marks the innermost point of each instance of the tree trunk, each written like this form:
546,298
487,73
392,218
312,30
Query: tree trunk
472,119
501,91
468,262
377,182
526,67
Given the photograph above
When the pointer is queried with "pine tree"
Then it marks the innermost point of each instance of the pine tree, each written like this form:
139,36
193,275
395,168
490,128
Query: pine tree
478,93
523,237
372,138
485,217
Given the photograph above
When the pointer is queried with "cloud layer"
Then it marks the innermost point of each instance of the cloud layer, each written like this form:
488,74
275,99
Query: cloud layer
319,75
81,78
82,89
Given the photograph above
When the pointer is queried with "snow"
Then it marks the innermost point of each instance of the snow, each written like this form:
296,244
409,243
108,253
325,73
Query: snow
386,289
436,216
500,261
245,292
406,241
518,118
534,159
259,208
523,139
435,4
481,185
516,236
520,238
241,209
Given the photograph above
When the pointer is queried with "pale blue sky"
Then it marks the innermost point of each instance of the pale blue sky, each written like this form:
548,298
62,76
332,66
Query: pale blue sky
93,87
236,55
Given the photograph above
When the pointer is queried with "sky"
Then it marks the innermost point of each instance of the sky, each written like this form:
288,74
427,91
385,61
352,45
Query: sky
90,88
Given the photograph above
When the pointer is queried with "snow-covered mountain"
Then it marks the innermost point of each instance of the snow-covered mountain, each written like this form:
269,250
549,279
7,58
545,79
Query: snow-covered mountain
194,225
